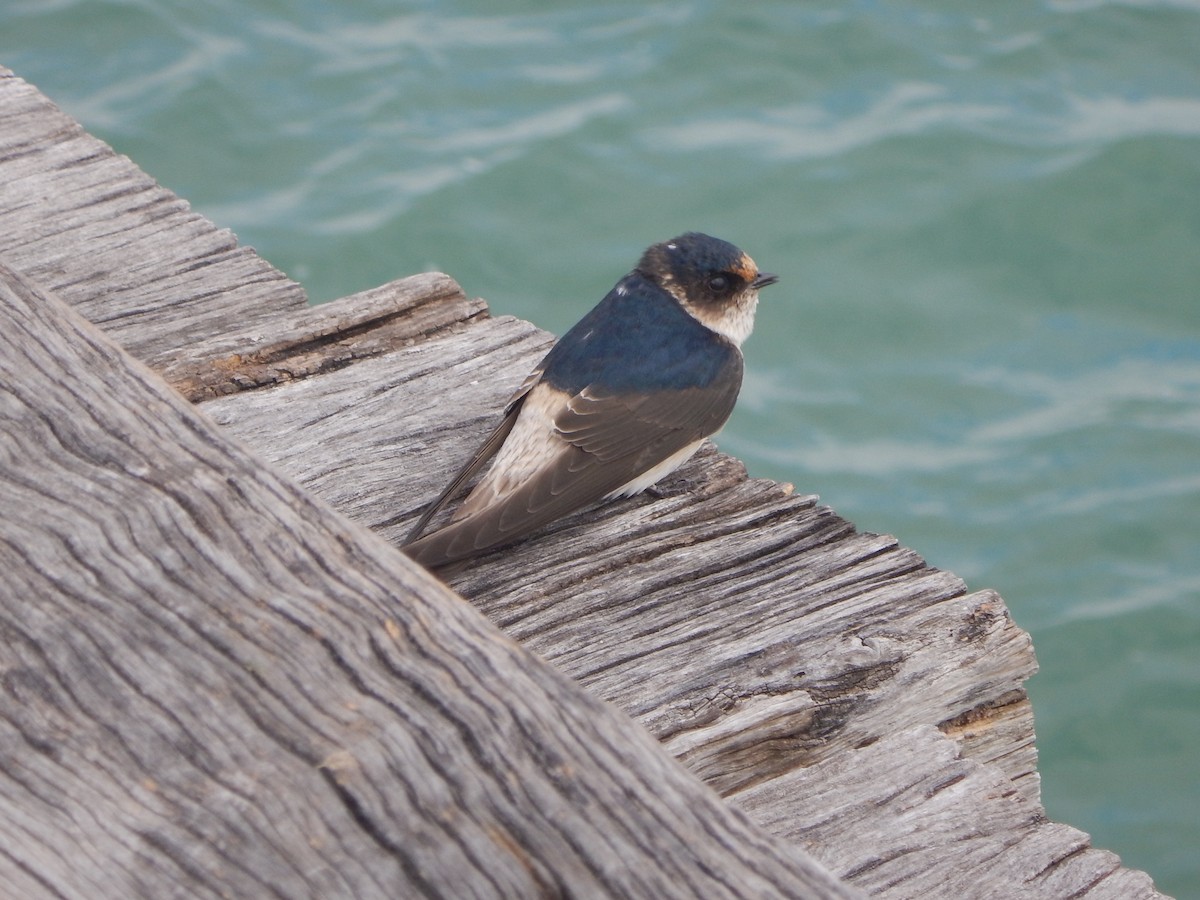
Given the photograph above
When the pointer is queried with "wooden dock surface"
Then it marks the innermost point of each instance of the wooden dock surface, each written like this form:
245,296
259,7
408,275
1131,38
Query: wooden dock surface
864,709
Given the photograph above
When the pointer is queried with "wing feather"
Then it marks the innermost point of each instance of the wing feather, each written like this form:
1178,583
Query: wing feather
480,458
600,442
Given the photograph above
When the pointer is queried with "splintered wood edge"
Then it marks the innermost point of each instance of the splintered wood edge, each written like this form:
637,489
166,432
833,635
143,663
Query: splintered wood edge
321,338
938,824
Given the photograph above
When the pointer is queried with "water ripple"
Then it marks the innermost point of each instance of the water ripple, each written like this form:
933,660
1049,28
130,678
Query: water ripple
807,131
813,131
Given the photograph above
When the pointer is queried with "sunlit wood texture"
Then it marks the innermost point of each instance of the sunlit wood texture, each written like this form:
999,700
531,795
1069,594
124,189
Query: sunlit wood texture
829,682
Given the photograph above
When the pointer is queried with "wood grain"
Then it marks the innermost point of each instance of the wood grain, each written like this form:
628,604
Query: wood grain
727,597
322,338
937,825
216,686
753,631
211,684
127,253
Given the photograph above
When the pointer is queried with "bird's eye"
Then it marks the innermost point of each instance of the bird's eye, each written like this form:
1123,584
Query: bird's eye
718,284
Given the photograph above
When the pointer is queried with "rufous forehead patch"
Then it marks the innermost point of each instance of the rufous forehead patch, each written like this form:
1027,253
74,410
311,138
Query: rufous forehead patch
745,268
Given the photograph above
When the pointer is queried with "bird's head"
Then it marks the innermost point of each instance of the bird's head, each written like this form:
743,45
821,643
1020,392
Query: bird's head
712,279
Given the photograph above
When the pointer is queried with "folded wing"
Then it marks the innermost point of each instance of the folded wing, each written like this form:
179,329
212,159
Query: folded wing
558,453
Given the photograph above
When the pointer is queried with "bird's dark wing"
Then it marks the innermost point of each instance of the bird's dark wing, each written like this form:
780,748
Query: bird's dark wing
607,441
479,459
615,426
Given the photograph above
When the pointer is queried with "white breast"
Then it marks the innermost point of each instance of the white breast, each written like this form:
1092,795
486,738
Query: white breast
657,474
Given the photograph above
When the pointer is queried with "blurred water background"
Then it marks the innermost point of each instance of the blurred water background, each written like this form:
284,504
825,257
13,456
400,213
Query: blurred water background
986,339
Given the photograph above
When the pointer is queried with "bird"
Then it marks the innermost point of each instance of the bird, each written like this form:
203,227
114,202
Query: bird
623,399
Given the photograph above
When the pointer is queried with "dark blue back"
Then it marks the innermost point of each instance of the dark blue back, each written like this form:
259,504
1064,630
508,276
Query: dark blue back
636,342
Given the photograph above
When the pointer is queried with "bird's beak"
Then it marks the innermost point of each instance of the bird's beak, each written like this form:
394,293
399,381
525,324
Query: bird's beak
763,279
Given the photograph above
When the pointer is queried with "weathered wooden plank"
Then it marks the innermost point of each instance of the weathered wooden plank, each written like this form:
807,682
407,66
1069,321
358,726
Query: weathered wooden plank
321,338
727,601
689,575
216,686
754,632
127,253
1000,734
936,824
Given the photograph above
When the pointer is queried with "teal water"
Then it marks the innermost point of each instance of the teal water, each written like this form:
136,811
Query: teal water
986,217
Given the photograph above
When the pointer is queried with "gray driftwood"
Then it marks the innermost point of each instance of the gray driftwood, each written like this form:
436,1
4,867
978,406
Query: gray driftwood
751,630
214,685
127,253
846,695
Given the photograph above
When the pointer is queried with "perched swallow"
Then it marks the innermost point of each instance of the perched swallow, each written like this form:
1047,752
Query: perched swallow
622,400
